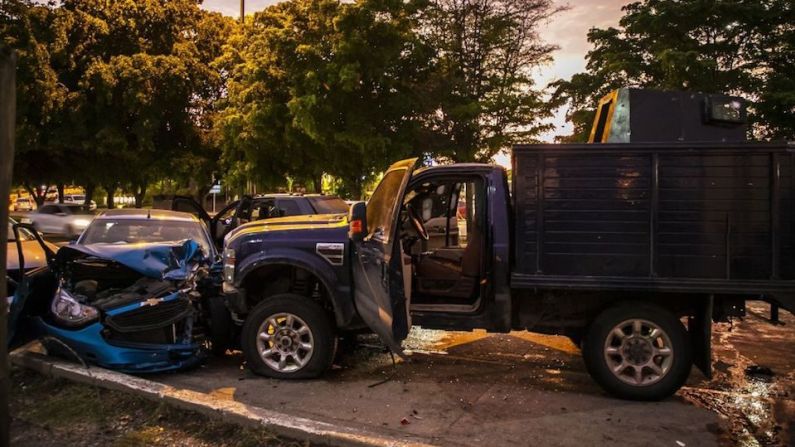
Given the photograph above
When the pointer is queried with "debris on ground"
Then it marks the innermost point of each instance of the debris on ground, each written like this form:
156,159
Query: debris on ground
757,370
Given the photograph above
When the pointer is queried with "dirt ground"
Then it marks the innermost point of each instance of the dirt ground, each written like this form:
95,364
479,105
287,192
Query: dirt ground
49,412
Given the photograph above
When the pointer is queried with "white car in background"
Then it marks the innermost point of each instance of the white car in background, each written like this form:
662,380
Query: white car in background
62,219
24,204
78,199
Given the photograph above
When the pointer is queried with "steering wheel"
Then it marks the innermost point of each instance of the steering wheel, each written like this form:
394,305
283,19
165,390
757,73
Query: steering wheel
416,222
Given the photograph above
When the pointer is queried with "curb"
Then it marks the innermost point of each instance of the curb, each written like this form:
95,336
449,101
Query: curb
281,424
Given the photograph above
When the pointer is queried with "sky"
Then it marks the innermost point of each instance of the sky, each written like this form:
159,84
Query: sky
568,30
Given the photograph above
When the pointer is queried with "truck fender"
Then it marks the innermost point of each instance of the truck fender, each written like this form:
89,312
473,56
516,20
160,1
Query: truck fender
339,290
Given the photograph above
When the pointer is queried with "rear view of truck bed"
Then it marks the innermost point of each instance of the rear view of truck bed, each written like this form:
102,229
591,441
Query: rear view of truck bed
684,217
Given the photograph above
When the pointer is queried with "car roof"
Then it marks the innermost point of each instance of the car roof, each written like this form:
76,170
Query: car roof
138,213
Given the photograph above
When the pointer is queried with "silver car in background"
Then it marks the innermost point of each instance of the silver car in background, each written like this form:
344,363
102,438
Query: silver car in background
59,218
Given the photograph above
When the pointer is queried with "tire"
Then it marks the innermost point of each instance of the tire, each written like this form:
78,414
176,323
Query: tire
221,327
301,363
665,357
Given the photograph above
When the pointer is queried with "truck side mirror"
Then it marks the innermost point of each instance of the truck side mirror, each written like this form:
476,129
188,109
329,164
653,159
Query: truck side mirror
357,219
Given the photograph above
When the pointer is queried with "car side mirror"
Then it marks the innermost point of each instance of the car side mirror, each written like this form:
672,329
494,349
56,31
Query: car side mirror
357,219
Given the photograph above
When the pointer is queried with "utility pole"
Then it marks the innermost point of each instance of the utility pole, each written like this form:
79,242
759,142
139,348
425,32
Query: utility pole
8,63
242,11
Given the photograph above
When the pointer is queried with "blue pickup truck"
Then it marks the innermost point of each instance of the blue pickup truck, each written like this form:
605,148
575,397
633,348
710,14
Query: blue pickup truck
630,248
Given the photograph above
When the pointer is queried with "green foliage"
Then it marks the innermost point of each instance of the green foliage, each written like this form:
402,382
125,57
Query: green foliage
116,93
318,87
742,47
486,52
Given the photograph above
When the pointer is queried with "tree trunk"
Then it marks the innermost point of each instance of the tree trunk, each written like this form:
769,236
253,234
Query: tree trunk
318,182
60,187
89,189
111,190
7,127
36,193
354,187
139,192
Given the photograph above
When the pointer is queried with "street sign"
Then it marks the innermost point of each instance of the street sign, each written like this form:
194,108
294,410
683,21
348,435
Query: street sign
216,189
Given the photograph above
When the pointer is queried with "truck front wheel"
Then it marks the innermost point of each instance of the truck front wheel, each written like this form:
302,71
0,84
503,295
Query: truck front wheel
638,351
288,336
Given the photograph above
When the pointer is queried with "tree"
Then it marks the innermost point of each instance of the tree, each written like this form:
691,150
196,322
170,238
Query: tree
739,47
28,29
485,96
319,86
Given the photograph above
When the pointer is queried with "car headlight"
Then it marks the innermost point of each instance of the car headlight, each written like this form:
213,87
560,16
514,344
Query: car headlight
67,310
81,222
229,265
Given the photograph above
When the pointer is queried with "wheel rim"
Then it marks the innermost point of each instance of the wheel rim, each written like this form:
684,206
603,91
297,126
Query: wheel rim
638,352
285,342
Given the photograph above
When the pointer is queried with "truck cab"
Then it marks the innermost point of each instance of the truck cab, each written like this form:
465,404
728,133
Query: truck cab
431,247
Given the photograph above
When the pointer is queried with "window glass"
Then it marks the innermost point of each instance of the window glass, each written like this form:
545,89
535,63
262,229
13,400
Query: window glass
466,213
379,208
24,234
228,212
128,231
290,207
48,209
261,209
328,205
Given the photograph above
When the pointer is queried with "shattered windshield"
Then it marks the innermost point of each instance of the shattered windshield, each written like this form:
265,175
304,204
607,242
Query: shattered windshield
129,231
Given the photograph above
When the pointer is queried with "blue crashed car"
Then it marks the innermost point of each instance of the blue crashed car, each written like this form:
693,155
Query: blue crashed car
139,307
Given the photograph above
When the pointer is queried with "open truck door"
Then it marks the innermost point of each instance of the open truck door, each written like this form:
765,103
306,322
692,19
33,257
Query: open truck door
381,295
227,219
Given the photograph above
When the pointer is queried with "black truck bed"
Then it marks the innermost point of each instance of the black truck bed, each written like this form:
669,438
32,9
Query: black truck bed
684,217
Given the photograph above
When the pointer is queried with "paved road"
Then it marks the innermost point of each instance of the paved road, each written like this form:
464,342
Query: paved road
472,388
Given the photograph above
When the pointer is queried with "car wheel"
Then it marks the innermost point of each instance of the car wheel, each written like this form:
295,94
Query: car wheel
221,328
638,351
288,336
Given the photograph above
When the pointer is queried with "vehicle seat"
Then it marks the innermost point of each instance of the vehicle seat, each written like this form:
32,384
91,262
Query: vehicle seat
451,272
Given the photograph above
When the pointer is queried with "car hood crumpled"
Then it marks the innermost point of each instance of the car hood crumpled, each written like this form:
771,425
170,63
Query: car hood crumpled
166,260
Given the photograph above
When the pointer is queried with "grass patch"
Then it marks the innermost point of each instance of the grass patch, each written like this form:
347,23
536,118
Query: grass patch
55,412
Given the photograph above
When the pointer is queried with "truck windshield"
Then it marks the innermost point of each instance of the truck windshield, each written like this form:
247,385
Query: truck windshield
328,205
380,205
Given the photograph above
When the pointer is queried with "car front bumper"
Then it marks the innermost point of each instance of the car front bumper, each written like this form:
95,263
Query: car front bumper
90,346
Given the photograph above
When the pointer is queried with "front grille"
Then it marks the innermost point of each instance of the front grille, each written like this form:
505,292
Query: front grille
147,317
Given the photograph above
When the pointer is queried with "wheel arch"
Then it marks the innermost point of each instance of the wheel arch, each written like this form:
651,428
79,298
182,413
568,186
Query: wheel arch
268,275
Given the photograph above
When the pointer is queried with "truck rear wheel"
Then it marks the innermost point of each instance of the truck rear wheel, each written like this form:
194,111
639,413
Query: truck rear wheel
288,336
638,352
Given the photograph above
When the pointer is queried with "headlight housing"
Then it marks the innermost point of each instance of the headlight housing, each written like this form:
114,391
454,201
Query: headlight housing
68,311
229,265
